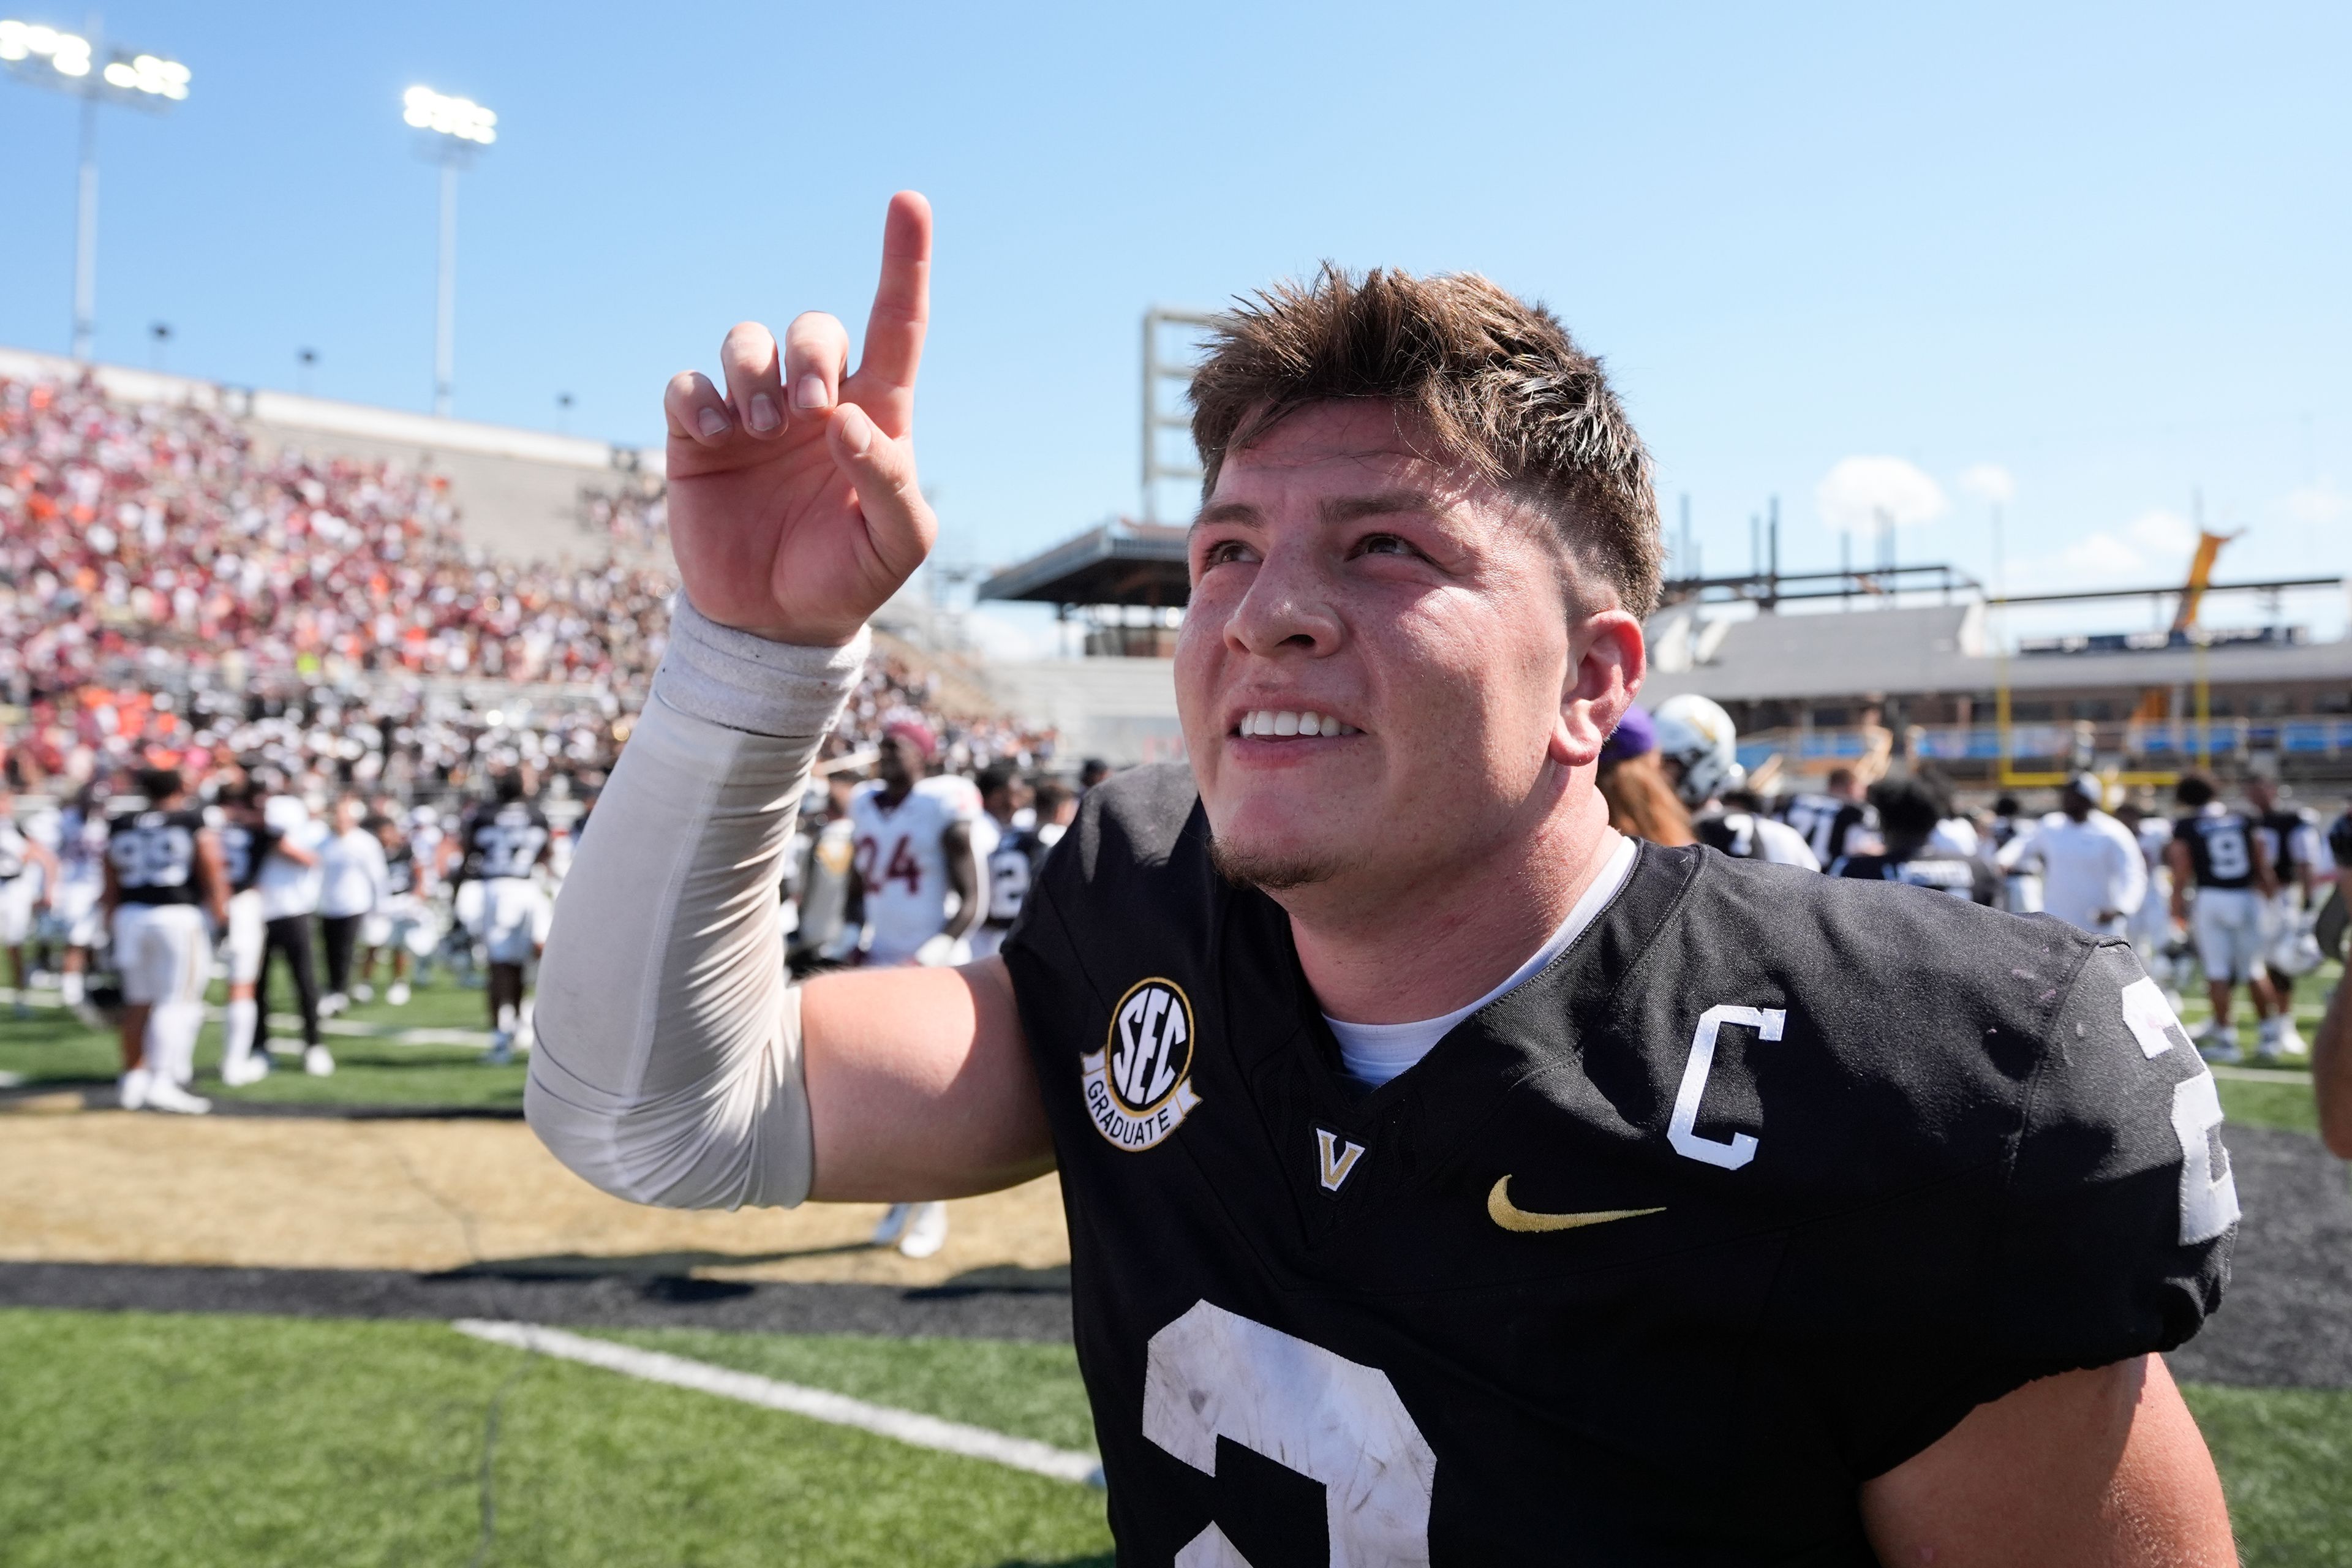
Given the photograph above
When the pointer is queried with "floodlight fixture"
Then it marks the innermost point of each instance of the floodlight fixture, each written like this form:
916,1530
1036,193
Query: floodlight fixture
68,63
459,117
96,73
455,129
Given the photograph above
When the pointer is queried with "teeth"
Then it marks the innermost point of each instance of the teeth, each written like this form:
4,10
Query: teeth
1271,721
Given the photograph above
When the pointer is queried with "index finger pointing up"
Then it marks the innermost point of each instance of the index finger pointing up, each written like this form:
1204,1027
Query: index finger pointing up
894,332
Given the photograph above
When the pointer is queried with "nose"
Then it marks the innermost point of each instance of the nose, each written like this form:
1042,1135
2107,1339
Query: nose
1286,608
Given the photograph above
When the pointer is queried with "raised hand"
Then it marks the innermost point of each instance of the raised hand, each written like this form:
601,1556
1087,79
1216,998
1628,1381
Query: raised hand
794,508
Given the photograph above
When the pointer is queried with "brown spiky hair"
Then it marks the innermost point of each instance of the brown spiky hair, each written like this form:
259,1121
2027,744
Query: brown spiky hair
1489,379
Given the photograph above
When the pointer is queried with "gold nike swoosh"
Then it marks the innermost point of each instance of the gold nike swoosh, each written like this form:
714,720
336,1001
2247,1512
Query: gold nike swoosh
1511,1216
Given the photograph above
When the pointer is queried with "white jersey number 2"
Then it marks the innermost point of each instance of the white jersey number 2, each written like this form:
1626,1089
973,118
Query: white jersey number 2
2209,1200
1214,1373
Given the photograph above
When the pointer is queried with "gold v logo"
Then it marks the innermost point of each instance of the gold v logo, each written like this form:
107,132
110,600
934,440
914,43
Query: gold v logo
1339,1158
1511,1216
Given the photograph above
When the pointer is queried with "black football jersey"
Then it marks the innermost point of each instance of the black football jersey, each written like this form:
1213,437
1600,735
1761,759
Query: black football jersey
1831,826
1749,1196
505,841
1011,866
1957,874
1731,832
2286,834
400,870
244,846
2220,848
153,854
2339,842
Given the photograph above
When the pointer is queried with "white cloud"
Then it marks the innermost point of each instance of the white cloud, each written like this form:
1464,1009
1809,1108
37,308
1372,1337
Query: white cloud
1870,494
1990,481
2164,533
2101,555
2320,502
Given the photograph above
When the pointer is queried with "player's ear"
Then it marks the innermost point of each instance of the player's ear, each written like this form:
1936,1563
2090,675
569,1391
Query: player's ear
1606,661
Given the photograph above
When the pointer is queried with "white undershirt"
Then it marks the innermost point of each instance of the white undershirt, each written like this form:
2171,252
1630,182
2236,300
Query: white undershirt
1375,1053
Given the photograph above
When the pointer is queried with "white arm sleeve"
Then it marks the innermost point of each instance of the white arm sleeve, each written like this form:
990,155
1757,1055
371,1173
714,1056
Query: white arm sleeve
668,1068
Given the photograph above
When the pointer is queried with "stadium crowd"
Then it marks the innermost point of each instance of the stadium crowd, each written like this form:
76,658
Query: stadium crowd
171,594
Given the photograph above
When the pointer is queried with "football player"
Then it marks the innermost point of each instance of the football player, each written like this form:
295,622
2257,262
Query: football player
401,928
832,901
1013,862
2221,880
1684,1210
2093,875
2150,926
1835,820
28,882
74,921
916,853
2292,838
1908,810
505,843
1699,750
164,875
921,865
248,840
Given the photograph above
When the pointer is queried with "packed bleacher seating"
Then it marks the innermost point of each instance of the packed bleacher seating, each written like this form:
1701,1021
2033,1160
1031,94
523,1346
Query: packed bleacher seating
170,590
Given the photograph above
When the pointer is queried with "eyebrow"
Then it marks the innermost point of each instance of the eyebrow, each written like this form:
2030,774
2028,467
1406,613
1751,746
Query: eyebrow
1343,509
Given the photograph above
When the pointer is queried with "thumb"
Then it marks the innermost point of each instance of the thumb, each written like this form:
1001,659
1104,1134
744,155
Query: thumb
883,471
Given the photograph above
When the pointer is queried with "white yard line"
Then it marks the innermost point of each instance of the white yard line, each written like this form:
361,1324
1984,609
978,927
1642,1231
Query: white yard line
816,1404
2263,1075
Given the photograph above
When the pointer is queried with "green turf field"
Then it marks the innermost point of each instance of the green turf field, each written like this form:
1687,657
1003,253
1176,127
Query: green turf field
138,1438
53,1046
201,1441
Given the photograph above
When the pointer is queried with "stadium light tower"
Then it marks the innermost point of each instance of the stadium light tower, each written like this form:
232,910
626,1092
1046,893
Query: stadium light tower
68,63
457,129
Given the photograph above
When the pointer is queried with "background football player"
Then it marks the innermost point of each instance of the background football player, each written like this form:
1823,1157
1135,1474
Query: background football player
1729,1213
1699,750
163,877
401,928
1834,820
2293,840
506,910
2222,885
28,880
2150,926
74,923
1011,863
248,840
919,857
1908,810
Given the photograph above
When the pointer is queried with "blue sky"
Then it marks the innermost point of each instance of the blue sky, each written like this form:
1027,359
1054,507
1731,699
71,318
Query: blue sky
2103,252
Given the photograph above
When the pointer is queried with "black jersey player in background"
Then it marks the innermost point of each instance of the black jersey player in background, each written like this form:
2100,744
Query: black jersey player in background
164,877
1909,810
506,840
1730,1213
2221,885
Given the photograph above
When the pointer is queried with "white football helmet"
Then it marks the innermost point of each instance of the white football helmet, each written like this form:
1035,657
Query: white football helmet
2294,950
1698,736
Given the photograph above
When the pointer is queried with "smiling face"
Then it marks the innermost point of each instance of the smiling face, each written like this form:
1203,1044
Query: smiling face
1420,616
